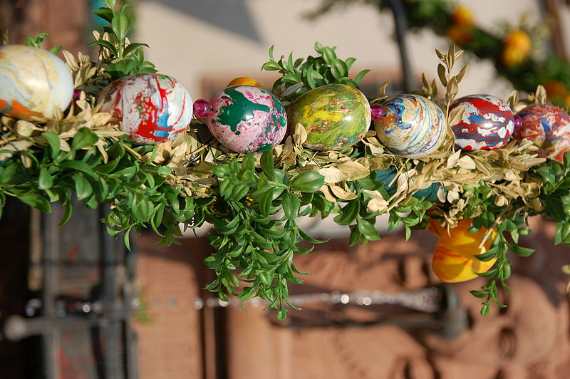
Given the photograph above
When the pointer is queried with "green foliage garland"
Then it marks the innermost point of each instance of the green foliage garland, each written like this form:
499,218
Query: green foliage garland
254,200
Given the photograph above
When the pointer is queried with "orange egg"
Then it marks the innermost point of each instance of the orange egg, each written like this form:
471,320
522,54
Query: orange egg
243,81
454,259
453,266
460,236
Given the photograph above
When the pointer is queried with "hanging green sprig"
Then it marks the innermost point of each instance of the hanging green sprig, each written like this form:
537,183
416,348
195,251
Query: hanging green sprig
303,74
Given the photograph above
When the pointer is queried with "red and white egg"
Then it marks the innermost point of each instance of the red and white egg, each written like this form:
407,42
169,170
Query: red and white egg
150,107
547,126
485,123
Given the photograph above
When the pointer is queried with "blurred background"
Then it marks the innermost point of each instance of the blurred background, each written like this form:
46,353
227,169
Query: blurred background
75,305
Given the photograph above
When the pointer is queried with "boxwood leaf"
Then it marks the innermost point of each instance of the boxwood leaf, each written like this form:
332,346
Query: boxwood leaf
310,181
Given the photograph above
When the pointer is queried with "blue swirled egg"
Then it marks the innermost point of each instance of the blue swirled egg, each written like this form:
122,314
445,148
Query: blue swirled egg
410,126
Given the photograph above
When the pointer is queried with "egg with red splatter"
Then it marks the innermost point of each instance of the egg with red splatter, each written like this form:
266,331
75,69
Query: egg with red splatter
482,122
150,107
547,126
247,119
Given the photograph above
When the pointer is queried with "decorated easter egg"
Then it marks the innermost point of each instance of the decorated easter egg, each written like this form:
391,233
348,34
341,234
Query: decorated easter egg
547,126
243,81
455,255
34,83
486,122
247,118
334,116
410,125
151,107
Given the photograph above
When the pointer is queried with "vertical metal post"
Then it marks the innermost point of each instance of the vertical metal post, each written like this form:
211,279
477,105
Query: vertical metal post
550,10
400,26
111,329
51,249
131,358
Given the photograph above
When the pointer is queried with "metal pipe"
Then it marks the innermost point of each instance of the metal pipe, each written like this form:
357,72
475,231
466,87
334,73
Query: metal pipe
129,298
51,248
400,27
111,333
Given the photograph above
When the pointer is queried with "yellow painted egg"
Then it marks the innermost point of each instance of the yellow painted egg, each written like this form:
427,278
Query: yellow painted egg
243,81
455,256
335,116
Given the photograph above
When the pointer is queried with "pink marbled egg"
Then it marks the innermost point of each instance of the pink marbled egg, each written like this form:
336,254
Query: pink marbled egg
246,119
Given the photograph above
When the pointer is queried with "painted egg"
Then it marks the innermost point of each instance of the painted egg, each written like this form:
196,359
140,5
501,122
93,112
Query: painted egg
410,125
151,107
334,116
247,119
454,257
547,126
34,83
486,122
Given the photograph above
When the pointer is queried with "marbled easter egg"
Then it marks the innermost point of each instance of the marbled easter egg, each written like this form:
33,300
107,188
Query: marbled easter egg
486,122
547,126
150,107
34,83
247,119
334,116
411,126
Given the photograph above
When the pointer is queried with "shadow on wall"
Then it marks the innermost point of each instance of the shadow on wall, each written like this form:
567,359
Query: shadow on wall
230,15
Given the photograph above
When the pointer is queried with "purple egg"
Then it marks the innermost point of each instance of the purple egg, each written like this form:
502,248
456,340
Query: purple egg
547,126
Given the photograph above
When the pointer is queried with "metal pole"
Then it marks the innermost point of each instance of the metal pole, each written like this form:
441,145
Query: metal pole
400,27
110,333
51,249
130,339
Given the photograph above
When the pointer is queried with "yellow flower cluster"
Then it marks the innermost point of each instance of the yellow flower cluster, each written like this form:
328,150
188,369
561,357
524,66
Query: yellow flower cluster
517,46
461,30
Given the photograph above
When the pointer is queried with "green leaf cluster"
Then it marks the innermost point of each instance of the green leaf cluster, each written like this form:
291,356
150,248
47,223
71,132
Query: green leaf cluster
508,231
556,196
38,40
138,192
303,74
256,234
121,57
